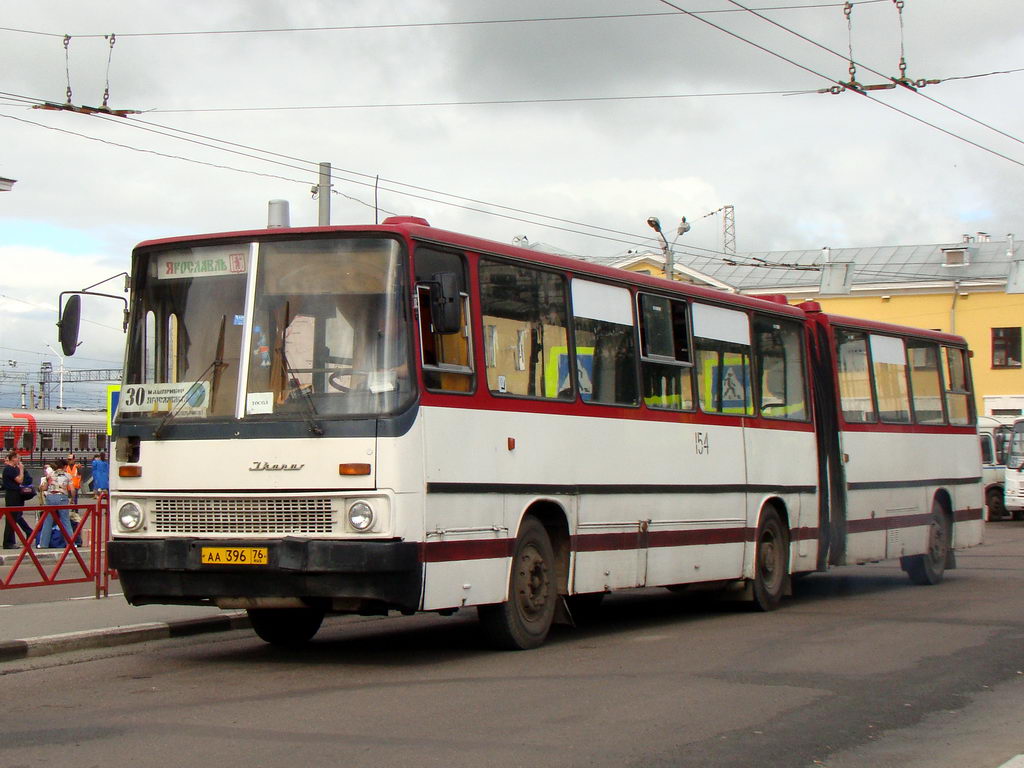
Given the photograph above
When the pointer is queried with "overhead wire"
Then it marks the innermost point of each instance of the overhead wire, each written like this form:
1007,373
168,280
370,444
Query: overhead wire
401,192
876,72
417,25
837,82
486,102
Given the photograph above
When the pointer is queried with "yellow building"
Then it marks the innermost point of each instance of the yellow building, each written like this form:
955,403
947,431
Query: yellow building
974,288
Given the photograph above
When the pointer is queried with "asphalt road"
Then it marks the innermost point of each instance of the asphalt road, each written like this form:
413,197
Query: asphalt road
859,668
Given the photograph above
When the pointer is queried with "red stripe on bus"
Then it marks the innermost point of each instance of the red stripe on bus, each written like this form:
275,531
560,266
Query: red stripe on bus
477,549
967,515
886,523
913,429
485,549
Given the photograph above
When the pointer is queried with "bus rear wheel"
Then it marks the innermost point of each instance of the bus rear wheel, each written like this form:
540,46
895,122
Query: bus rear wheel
524,619
285,627
771,562
929,568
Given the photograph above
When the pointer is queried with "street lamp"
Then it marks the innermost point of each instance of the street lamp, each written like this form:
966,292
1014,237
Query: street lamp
682,229
60,398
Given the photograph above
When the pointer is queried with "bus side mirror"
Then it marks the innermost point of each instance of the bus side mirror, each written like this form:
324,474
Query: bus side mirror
445,303
68,324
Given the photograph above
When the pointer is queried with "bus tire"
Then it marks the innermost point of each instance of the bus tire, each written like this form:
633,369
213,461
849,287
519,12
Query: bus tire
928,569
524,619
996,508
285,627
771,562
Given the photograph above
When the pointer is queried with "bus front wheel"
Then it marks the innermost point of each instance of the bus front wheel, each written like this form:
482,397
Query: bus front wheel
285,627
996,507
524,619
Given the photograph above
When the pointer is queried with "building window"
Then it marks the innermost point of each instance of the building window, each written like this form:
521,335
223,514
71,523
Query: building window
1006,347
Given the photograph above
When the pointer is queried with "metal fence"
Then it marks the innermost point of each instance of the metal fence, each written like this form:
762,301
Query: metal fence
81,558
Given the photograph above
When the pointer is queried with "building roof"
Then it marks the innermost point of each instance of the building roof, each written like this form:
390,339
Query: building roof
899,264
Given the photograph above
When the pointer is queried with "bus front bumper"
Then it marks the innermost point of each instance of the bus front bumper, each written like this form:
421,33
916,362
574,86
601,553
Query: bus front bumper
364,575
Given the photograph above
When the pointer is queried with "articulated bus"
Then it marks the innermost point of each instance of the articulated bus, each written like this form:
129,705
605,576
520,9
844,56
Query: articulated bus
393,417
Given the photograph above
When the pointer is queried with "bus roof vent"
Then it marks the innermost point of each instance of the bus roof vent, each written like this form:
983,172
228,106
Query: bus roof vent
775,298
407,220
810,306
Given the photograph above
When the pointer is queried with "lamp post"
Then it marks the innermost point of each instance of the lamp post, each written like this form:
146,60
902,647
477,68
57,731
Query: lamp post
682,229
60,397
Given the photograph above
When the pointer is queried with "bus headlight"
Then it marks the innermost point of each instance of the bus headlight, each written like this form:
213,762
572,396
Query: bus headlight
129,515
360,516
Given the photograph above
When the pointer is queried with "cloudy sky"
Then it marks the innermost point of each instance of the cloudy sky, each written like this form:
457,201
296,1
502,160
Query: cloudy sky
567,121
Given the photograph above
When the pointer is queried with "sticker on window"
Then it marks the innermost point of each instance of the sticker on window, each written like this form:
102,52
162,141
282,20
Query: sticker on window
259,402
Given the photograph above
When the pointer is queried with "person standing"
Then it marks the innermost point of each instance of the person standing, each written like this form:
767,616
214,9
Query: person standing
57,491
14,477
76,479
100,475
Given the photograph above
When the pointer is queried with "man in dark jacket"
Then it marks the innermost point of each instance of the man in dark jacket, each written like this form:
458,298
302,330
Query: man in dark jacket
15,476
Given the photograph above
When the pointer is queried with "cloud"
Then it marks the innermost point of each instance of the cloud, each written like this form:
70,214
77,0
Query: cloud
802,171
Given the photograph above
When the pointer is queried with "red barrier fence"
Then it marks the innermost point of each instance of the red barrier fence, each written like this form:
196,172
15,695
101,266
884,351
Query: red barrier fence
73,565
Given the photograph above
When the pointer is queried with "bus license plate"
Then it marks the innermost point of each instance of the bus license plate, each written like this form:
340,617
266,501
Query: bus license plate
233,556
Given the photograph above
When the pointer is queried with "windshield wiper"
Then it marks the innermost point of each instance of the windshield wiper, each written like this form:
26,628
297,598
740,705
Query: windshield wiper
309,411
214,368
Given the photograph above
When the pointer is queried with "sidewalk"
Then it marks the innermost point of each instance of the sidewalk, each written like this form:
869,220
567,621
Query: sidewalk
39,629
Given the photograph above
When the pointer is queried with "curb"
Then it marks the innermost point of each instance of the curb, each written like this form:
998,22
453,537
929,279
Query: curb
44,555
13,650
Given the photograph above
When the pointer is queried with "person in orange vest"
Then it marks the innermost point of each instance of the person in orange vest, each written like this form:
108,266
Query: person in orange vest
76,479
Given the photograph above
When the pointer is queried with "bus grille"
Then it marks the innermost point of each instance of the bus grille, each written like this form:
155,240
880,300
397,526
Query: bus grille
244,515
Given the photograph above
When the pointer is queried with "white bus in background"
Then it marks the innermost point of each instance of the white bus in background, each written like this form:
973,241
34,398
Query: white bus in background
994,435
1013,497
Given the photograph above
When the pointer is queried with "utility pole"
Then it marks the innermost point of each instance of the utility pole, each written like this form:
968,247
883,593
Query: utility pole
323,189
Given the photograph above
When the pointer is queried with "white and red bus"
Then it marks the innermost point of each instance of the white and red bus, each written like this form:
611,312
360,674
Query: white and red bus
394,417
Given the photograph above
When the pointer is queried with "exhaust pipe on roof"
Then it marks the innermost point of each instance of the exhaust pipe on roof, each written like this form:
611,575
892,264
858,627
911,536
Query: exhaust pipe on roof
278,215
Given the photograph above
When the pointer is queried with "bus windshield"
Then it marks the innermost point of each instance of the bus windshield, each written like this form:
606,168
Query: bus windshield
280,329
1015,454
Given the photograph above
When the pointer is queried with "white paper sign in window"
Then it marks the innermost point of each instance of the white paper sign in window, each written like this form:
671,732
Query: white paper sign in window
598,301
887,349
721,324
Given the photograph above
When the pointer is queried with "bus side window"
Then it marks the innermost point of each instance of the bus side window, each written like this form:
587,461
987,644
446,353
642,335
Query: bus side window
446,358
665,360
779,352
889,366
722,341
526,335
957,394
988,455
854,377
605,347
925,382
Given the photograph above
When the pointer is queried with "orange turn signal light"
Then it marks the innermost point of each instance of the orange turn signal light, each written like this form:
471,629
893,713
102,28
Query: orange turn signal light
353,469
131,470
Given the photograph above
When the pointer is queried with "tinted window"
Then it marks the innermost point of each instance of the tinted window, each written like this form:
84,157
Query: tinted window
525,331
605,347
666,360
779,351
